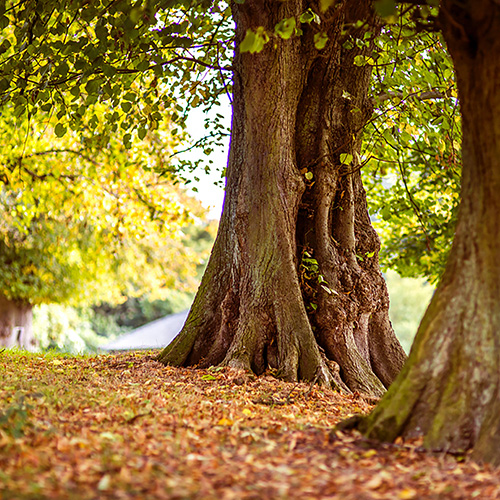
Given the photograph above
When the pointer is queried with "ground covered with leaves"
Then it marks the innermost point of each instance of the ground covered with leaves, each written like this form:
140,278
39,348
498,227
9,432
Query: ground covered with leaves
126,426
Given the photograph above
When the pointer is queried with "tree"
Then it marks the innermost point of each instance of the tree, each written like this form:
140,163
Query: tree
84,224
448,389
293,283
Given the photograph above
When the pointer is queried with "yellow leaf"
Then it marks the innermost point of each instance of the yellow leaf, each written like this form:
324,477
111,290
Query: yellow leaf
57,362
247,412
407,493
225,422
369,454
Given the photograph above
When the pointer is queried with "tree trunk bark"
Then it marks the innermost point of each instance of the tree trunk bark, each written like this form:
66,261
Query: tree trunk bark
293,282
448,391
16,324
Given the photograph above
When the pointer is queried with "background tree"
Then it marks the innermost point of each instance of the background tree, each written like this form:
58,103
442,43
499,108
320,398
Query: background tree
412,148
448,390
84,224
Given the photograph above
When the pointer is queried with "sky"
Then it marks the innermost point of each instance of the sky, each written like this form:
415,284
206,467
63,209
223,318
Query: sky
210,195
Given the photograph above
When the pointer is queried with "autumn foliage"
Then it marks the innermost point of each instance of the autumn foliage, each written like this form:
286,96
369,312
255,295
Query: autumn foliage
127,427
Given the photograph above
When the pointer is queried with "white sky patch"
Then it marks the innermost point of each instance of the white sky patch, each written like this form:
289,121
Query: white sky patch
210,194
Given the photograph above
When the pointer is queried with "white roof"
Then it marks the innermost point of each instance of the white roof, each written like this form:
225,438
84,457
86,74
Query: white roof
154,335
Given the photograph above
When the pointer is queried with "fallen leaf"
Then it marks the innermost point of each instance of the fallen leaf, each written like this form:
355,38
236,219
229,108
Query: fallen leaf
104,483
225,422
407,494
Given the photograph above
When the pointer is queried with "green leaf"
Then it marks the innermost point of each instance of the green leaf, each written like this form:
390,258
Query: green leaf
141,133
388,135
92,86
130,96
136,14
286,28
345,158
5,46
359,61
60,129
320,40
309,16
308,176
142,66
254,41
126,106
101,32
108,70
208,377
385,213
4,84
127,141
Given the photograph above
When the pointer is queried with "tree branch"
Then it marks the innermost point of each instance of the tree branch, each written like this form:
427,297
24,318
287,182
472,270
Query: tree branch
423,96
57,151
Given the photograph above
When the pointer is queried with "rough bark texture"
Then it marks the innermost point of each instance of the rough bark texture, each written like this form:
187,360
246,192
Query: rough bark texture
16,329
449,389
261,304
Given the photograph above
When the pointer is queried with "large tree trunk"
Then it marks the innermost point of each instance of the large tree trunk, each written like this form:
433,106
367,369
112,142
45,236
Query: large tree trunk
449,389
293,282
16,324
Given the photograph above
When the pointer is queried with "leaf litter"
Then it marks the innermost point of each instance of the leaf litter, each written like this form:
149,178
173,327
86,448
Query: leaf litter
125,426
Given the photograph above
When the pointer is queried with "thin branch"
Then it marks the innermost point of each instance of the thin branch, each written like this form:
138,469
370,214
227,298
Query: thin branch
57,151
195,145
423,96
416,208
128,71
223,80
42,177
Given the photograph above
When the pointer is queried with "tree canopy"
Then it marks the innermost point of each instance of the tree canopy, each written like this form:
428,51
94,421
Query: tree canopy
141,59
413,149
83,222
144,60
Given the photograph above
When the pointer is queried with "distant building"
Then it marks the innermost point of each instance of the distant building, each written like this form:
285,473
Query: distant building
154,335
